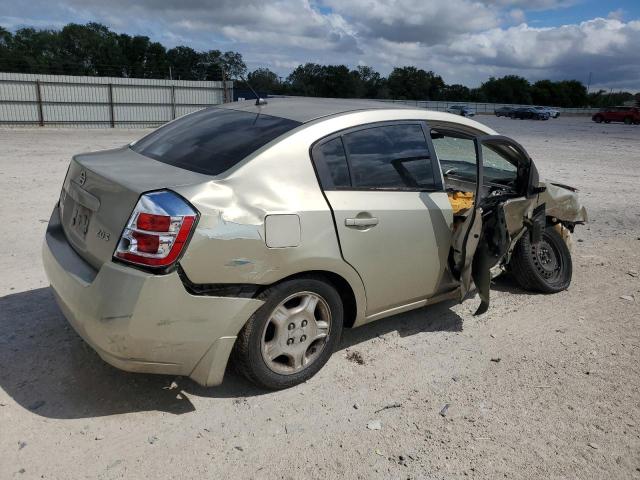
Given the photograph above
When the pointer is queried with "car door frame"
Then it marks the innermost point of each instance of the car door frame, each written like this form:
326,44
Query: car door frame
465,267
326,184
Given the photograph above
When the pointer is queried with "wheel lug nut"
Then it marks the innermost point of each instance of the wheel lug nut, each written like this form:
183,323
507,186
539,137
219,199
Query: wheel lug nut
303,338
291,326
304,323
289,341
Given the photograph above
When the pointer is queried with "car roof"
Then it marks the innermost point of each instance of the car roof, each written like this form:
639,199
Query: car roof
306,109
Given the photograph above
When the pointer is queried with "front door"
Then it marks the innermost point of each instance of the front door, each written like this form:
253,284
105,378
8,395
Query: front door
504,182
391,213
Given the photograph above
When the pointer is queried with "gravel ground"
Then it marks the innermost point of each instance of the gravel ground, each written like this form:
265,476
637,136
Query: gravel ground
539,387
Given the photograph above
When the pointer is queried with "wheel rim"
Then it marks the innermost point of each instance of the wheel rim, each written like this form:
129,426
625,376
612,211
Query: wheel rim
296,333
547,260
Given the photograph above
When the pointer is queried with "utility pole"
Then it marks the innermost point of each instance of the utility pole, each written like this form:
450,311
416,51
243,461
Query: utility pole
170,74
589,83
224,86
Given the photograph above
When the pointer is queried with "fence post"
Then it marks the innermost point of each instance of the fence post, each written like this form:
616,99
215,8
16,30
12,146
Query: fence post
39,100
111,115
173,102
225,93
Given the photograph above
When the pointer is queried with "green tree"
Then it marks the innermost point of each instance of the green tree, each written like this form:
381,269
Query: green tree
508,89
5,48
32,50
411,83
185,63
337,82
264,80
156,61
369,83
91,49
574,93
456,93
234,65
305,80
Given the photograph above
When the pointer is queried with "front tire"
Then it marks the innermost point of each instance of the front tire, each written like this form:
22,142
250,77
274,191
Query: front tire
545,266
290,338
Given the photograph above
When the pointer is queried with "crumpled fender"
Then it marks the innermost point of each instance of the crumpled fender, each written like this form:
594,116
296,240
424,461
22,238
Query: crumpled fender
562,202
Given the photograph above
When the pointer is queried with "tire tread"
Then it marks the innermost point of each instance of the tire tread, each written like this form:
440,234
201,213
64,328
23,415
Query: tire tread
523,269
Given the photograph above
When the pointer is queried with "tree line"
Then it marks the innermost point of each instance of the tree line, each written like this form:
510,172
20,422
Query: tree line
94,50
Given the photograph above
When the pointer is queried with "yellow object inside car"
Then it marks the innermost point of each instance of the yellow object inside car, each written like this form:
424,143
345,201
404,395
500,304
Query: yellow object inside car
460,201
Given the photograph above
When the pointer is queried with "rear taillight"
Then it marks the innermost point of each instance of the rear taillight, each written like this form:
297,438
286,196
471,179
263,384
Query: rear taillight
157,231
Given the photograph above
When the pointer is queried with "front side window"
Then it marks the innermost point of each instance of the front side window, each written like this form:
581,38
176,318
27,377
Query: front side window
212,140
389,157
457,157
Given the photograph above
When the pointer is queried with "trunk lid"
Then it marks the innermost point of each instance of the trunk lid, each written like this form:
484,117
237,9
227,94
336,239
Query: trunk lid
101,190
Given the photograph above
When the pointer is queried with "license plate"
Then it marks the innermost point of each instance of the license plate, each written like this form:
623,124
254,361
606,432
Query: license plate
80,220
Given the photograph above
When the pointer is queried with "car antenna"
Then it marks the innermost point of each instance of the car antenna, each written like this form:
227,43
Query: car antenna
259,100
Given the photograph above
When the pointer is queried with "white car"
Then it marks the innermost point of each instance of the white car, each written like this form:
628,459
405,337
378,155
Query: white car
462,110
553,113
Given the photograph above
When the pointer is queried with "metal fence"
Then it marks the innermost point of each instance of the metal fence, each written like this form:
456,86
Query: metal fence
485,108
60,100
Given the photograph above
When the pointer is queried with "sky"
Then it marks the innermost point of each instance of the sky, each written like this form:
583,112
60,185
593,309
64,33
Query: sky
464,41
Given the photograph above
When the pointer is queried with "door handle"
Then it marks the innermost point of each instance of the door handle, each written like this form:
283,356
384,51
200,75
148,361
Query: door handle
361,222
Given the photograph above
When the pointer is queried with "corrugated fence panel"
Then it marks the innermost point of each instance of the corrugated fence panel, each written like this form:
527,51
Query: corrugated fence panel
20,113
61,113
32,99
154,114
141,94
18,91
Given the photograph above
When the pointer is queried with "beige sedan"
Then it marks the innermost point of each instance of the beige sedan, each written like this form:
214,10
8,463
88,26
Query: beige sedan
260,232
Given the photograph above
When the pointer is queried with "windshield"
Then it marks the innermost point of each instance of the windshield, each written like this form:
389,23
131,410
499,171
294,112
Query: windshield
212,140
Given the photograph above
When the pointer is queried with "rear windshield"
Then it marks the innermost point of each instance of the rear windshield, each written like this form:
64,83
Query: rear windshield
212,140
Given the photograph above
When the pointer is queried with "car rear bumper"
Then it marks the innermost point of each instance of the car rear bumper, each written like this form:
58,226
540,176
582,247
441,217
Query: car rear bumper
141,322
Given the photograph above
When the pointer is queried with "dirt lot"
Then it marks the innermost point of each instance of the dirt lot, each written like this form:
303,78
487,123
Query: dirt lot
562,402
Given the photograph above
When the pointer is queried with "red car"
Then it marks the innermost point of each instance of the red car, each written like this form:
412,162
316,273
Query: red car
627,115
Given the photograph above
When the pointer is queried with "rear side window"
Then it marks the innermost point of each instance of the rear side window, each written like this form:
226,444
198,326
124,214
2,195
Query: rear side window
212,140
389,157
331,163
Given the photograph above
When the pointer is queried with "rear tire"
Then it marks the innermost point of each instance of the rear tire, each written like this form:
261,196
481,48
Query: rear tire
282,344
545,266
628,121
598,119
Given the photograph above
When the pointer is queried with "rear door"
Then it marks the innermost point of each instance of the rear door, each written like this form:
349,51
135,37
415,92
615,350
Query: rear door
391,212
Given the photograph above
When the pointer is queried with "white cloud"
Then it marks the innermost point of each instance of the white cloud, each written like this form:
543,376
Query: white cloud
617,14
427,21
463,40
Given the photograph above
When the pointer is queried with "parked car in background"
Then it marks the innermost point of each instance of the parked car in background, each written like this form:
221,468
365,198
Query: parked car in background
463,110
503,111
529,113
553,113
628,115
258,232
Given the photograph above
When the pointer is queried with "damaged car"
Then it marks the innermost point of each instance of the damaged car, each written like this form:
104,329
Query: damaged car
257,232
